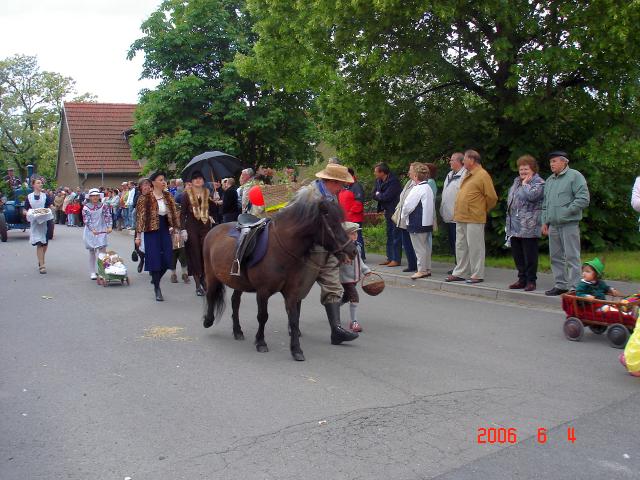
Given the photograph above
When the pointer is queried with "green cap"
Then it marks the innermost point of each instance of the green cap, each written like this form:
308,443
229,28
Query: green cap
597,265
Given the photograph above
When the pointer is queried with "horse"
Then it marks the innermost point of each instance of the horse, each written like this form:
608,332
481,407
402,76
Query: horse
308,220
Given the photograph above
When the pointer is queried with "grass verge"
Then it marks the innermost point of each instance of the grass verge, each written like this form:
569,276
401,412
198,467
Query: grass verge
619,265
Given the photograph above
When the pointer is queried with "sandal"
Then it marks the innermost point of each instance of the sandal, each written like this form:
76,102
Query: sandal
42,269
474,280
453,278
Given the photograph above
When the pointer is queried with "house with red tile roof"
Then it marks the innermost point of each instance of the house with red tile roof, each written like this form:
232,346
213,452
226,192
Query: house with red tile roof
93,149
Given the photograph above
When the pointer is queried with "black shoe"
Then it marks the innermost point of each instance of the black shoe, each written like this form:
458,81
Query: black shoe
555,291
158,294
199,291
410,269
450,271
338,334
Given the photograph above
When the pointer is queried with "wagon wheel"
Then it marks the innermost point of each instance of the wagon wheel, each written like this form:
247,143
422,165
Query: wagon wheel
3,227
598,329
127,280
98,281
617,335
105,282
122,281
573,329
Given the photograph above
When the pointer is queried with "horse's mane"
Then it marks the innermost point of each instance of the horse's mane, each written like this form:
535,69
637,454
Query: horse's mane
304,211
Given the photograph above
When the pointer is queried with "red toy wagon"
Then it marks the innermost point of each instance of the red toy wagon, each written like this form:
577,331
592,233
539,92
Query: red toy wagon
617,318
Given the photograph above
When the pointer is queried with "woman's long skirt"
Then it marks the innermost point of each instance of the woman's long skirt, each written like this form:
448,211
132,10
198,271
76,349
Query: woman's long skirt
196,232
158,248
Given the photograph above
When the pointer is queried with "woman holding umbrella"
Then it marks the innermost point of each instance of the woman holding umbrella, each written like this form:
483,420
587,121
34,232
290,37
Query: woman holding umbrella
196,214
156,219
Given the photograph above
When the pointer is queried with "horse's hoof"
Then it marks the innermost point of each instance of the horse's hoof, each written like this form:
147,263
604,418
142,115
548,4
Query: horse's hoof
207,323
238,336
298,356
262,348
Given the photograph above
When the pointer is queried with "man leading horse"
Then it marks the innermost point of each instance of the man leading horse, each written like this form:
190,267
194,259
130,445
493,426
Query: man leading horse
322,266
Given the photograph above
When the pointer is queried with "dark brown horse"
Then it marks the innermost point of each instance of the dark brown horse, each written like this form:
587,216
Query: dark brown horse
293,231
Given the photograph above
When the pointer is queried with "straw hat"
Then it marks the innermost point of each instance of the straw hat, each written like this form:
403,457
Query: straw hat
333,171
94,191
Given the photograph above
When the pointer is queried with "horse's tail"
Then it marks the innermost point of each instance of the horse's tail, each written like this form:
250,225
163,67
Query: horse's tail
215,303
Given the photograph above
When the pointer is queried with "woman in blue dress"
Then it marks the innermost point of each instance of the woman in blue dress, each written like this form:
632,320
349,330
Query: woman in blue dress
157,219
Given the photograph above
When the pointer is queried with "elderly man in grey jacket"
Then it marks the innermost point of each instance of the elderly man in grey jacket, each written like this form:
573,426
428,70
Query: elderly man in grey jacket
449,192
565,196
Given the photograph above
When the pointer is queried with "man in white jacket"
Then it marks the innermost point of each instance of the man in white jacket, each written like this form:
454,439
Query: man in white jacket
451,186
635,197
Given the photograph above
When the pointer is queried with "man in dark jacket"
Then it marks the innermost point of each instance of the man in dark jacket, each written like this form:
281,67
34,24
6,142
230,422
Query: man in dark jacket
387,193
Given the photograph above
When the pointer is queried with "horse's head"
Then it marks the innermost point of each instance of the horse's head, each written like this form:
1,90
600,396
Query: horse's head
330,234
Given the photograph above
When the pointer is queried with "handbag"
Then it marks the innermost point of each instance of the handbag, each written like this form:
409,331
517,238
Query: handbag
395,218
176,240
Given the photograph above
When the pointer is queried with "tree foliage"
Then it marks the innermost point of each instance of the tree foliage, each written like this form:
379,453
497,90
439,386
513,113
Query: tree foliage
417,79
202,102
30,106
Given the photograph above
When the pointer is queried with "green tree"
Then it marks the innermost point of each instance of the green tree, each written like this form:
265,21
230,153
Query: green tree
30,105
416,79
202,103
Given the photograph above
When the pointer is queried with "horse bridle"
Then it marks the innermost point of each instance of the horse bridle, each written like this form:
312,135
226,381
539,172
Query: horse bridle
340,247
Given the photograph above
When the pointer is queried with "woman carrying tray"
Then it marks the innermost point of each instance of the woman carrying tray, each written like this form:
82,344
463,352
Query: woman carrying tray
39,232
97,220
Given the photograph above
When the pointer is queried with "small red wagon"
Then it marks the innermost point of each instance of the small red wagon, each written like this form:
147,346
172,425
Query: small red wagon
617,318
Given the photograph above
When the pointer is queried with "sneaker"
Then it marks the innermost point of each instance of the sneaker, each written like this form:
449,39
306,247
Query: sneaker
93,276
185,278
420,275
355,327
174,278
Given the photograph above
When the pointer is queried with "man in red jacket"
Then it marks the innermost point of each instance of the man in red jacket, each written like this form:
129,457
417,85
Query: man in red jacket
351,199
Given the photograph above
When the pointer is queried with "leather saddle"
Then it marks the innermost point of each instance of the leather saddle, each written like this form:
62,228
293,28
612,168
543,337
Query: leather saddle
250,228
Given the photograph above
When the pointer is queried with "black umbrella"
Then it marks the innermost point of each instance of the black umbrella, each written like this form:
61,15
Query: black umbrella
213,165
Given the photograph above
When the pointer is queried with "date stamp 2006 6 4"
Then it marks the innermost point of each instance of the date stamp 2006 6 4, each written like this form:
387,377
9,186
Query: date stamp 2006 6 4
500,435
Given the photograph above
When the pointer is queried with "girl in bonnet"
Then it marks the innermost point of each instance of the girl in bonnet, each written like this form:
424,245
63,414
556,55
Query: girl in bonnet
97,220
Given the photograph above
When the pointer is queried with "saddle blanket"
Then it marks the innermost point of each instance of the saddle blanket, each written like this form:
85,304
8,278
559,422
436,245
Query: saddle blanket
259,251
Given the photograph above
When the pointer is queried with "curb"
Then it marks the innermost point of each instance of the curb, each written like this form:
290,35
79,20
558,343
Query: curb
490,293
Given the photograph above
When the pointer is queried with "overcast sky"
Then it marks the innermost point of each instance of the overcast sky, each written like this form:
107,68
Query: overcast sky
87,40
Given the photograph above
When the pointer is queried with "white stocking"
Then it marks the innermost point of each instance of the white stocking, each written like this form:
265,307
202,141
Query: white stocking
92,261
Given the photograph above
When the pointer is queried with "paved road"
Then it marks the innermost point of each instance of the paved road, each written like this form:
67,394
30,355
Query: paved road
91,388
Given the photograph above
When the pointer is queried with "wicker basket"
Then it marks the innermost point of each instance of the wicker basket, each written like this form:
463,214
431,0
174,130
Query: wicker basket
372,284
